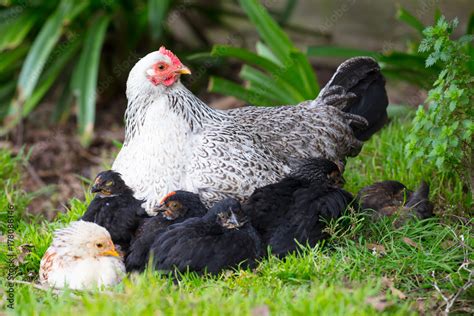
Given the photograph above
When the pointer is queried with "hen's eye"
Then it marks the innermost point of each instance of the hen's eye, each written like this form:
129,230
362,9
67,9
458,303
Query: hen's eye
109,183
162,66
99,245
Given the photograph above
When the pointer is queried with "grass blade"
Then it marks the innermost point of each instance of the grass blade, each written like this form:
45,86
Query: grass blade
157,10
84,80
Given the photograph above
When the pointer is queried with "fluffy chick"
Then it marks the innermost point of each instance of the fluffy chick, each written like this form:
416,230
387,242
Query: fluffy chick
291,211
391,197
223,238
175,207
115,208
81,256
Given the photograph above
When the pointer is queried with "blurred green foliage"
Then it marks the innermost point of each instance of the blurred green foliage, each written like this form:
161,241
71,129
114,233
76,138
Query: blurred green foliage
64,45
409,65
278,73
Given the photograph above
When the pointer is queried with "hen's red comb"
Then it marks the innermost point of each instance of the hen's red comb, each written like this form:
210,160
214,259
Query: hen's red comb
167,196
174,60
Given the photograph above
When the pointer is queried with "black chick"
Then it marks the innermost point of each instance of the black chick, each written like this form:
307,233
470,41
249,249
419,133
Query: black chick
390,197
291,211
174,208
115,208
223,238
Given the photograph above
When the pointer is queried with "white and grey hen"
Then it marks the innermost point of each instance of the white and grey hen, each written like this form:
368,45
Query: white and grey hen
174,140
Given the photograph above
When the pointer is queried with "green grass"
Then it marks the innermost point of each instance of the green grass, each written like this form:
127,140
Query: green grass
337,278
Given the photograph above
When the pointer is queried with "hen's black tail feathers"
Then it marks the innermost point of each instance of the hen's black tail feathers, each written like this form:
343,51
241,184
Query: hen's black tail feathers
358,88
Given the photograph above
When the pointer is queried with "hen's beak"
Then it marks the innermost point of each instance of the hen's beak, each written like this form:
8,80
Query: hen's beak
112,252
183,70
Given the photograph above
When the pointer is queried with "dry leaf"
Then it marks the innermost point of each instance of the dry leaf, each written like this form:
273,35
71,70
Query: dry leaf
448,244
420,306
378,302
25,249
389,283
376,248
410,242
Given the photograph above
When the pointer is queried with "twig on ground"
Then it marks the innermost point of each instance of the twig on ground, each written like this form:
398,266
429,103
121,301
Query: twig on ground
450,300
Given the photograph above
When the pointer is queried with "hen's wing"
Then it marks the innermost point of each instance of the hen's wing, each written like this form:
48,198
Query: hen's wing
350,108
231,161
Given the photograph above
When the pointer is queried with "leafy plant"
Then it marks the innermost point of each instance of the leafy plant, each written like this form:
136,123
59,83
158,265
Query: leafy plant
278,73
442,136
408,65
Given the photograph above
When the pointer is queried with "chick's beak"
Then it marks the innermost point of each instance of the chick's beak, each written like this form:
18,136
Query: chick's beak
111,252
233,219
183,70
95,188
160,208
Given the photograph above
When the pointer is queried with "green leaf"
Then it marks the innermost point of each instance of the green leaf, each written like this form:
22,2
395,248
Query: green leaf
64,55
10,59
334,51
63,106
243,55
157,11
275,90
406,60
287,11
310,87
268,29
289,80
408,18
226,87
14,32
40,50
84,80
264,51
7,90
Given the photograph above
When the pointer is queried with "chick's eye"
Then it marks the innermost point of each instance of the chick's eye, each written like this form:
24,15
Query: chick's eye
174,205
99,245
109,183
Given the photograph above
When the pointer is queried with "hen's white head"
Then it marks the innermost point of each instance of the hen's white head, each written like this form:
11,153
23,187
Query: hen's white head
157,71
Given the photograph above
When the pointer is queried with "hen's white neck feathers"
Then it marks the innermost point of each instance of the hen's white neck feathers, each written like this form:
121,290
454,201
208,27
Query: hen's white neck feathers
177,99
